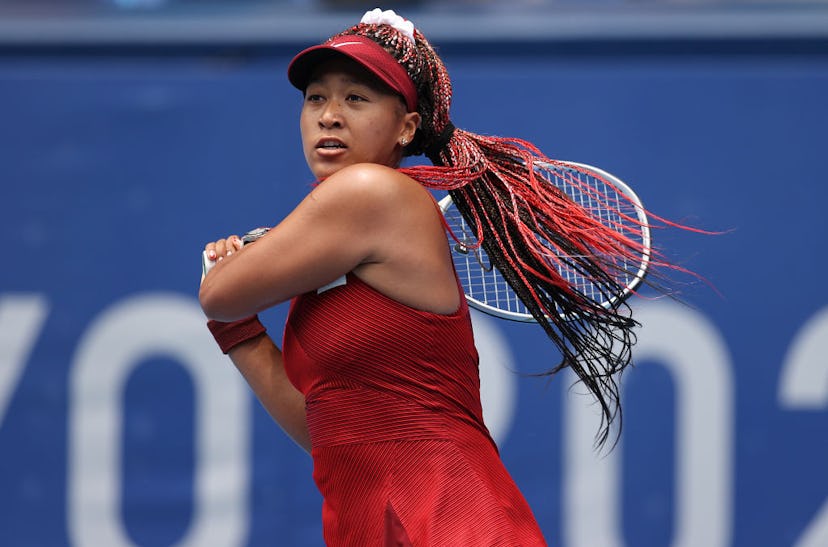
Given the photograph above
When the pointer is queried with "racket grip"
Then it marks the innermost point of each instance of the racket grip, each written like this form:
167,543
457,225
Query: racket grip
206,264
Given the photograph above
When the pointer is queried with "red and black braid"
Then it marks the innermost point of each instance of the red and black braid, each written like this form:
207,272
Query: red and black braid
493,183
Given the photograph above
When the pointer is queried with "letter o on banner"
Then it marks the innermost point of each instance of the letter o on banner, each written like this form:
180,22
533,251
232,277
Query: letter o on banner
694,353
117,342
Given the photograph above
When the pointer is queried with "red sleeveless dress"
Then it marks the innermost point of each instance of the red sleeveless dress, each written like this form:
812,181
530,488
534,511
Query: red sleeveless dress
400,452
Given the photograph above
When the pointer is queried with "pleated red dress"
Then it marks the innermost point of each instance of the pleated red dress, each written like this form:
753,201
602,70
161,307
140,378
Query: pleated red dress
400,452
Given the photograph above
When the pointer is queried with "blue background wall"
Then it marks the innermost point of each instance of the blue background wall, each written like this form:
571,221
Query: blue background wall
121,424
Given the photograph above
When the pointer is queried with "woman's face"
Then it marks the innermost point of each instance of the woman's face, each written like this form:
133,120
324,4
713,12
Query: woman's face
349,117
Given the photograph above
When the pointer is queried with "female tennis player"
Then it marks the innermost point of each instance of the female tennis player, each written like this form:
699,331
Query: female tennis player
377,377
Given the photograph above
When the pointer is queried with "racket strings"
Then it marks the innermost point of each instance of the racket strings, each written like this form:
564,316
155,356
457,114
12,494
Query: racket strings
568,295
563,252
623,257
573,261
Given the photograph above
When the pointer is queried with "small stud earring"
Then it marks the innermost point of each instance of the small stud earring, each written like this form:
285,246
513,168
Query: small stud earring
404,141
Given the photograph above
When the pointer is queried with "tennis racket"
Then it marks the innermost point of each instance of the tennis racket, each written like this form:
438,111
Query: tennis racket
605,196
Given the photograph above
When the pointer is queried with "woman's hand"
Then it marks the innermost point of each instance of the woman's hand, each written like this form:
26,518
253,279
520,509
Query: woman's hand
216,251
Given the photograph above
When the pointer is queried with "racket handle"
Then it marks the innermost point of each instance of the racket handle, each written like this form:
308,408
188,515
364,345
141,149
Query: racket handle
206,264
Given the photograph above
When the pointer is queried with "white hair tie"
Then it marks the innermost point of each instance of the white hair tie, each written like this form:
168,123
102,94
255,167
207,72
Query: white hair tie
378,17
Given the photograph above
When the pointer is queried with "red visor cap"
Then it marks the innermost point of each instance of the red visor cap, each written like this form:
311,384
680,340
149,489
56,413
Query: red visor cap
363,50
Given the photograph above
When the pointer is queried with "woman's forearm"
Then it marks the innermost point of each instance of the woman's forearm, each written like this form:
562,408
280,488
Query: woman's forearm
260,363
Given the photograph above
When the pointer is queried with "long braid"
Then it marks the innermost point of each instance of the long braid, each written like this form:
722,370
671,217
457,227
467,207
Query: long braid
493,183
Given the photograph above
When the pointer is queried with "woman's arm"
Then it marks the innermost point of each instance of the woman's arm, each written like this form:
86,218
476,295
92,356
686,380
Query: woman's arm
260,363
362,215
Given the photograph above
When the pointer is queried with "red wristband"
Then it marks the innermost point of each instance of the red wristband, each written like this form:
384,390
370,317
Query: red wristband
230,335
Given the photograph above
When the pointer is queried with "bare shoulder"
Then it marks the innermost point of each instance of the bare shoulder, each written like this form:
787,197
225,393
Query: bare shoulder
374,186
408,258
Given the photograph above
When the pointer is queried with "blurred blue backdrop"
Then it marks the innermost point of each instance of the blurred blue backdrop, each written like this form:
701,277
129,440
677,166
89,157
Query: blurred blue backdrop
122,152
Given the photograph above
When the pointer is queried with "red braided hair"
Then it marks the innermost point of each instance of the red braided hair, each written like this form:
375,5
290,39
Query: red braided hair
493,183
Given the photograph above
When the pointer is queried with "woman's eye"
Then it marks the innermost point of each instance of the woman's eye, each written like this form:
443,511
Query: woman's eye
313,97
356,98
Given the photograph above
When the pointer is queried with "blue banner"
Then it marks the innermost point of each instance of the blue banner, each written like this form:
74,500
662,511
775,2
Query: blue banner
122,424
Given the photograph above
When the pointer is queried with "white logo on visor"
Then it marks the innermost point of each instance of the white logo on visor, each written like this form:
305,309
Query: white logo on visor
346,44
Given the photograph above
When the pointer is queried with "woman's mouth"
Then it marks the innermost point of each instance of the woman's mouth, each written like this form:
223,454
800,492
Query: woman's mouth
330,144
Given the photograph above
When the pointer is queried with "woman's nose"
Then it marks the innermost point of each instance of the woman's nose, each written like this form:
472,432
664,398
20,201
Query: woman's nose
332,115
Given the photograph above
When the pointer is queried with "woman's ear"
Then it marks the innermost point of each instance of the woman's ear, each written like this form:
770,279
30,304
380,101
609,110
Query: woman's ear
410,124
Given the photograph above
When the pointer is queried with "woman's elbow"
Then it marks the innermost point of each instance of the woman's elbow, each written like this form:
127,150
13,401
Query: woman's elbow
214,304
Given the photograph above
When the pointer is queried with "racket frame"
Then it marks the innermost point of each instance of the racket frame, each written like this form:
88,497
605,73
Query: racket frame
446,203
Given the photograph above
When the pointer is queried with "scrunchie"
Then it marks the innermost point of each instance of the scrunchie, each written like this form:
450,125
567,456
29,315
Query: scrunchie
378,17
